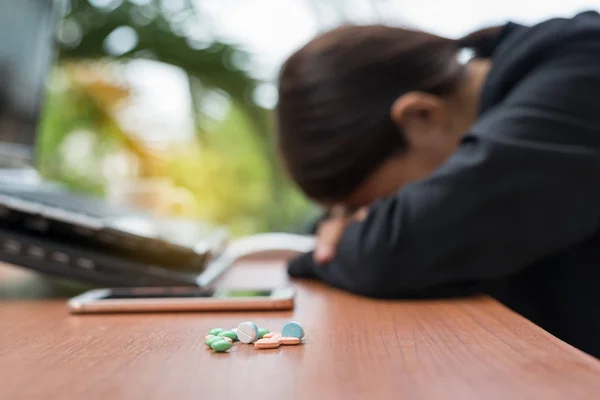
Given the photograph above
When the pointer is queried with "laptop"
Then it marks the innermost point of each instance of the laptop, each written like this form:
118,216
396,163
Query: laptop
45,227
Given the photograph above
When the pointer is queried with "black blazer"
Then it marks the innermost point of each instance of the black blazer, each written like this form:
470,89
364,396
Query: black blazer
515,212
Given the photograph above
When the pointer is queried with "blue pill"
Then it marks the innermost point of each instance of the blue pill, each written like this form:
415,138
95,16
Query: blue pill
292,329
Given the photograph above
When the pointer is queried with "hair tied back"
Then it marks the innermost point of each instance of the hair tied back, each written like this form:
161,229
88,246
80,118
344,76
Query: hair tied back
482,42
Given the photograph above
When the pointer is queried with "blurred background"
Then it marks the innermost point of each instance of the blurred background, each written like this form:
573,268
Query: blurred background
167,104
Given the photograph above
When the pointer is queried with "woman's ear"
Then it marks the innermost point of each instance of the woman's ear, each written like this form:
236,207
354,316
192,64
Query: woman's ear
420,116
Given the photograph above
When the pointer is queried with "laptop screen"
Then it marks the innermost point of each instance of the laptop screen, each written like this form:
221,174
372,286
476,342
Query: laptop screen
26,53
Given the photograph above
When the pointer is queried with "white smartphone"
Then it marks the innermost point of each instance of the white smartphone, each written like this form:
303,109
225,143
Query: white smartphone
174,299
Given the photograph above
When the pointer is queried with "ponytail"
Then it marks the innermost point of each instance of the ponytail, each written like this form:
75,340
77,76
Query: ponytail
483,42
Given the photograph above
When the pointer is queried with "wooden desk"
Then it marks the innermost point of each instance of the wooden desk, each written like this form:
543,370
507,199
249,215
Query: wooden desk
355,349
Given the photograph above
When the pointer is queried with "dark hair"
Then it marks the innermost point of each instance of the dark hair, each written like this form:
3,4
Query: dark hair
335,95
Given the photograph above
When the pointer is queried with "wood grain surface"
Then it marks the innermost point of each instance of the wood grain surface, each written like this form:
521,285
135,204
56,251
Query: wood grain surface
355,348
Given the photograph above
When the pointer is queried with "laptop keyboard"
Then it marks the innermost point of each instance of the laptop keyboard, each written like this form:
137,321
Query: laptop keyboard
94,223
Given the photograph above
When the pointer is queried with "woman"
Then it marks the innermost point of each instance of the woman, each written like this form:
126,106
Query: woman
481,177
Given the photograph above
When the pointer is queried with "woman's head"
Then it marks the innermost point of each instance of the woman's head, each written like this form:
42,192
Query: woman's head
364,109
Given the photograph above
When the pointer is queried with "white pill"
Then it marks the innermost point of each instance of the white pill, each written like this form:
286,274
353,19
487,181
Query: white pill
247,332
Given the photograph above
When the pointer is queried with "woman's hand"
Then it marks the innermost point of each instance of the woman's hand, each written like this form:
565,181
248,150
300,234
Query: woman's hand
330,231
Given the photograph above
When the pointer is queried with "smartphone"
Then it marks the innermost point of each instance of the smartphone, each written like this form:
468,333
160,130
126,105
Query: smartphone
174,299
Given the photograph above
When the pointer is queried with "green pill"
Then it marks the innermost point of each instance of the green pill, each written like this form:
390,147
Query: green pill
262,332
231,335
210,339
215,331
220,345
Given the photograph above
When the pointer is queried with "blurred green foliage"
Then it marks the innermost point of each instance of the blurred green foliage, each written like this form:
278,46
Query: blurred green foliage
229,171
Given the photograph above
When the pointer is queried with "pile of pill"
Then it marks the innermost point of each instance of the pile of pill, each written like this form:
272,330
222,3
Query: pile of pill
221,340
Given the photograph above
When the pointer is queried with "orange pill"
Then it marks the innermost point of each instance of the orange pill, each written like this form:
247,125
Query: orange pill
275,339
267,343
271,334
289,340
226,338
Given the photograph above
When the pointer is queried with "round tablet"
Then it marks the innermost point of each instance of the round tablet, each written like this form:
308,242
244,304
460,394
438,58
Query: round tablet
247,332
292,329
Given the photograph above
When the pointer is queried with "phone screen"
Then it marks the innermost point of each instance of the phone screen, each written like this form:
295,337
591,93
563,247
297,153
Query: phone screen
183,292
